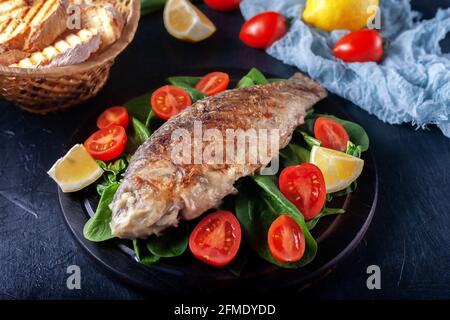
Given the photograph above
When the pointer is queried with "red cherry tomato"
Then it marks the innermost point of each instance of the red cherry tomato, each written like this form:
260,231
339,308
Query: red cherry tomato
263,29
286,240
107,143
304,186
113,115
213,83
223,5
360,46
169,100
216,239
331,133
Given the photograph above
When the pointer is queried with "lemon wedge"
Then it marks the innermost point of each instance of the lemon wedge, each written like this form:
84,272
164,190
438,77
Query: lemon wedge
339,169
76,170
185,22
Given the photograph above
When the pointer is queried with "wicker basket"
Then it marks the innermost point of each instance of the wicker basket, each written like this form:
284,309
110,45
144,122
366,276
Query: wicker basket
50,89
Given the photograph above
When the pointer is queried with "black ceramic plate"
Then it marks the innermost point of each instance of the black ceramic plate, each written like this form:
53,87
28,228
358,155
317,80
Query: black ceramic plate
337,237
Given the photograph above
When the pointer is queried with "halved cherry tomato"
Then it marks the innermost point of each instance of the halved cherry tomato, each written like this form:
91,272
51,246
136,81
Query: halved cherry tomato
169,100
331,133
360,46
114,115
213,83
216,239
223,5
107,143
263,29
304,186
286,240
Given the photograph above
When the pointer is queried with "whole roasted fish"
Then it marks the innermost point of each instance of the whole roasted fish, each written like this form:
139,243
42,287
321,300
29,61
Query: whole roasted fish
161,187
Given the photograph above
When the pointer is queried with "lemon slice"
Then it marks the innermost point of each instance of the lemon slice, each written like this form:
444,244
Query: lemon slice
339,169
185,22
76,170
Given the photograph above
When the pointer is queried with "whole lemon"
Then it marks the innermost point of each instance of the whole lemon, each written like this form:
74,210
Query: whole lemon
331,15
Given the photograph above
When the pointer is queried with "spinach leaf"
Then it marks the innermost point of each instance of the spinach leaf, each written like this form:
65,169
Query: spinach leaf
310,141
257,211
153,122
137,134
114,167
346,191
342,193
97,227
253,77
184,80
142,254
101,186
245,82
356,133
353,150
139,107
113,173
325,212
148,6
172,243
309,112
293,155
257,76
118,166
151,118
140,130
188,84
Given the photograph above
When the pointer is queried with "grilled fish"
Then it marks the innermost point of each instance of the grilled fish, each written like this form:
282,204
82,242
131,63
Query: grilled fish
158,190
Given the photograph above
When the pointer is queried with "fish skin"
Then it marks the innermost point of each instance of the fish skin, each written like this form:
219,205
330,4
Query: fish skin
157,193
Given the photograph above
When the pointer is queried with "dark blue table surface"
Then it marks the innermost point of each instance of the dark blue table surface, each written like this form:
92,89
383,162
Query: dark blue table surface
409,238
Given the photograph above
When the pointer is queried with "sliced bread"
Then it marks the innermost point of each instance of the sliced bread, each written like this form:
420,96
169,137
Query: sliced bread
11,12
47,25
106,19
8,7
74,49
38,27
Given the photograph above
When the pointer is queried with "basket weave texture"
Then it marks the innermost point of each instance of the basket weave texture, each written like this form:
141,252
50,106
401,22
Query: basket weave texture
43,90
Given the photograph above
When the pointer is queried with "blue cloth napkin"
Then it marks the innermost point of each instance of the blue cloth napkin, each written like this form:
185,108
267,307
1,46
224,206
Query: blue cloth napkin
411,84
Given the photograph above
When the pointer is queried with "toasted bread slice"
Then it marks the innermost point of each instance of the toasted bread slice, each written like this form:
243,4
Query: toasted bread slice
47,25
106,19
42,23
11,16
9,6
74,49
15,34
11,12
